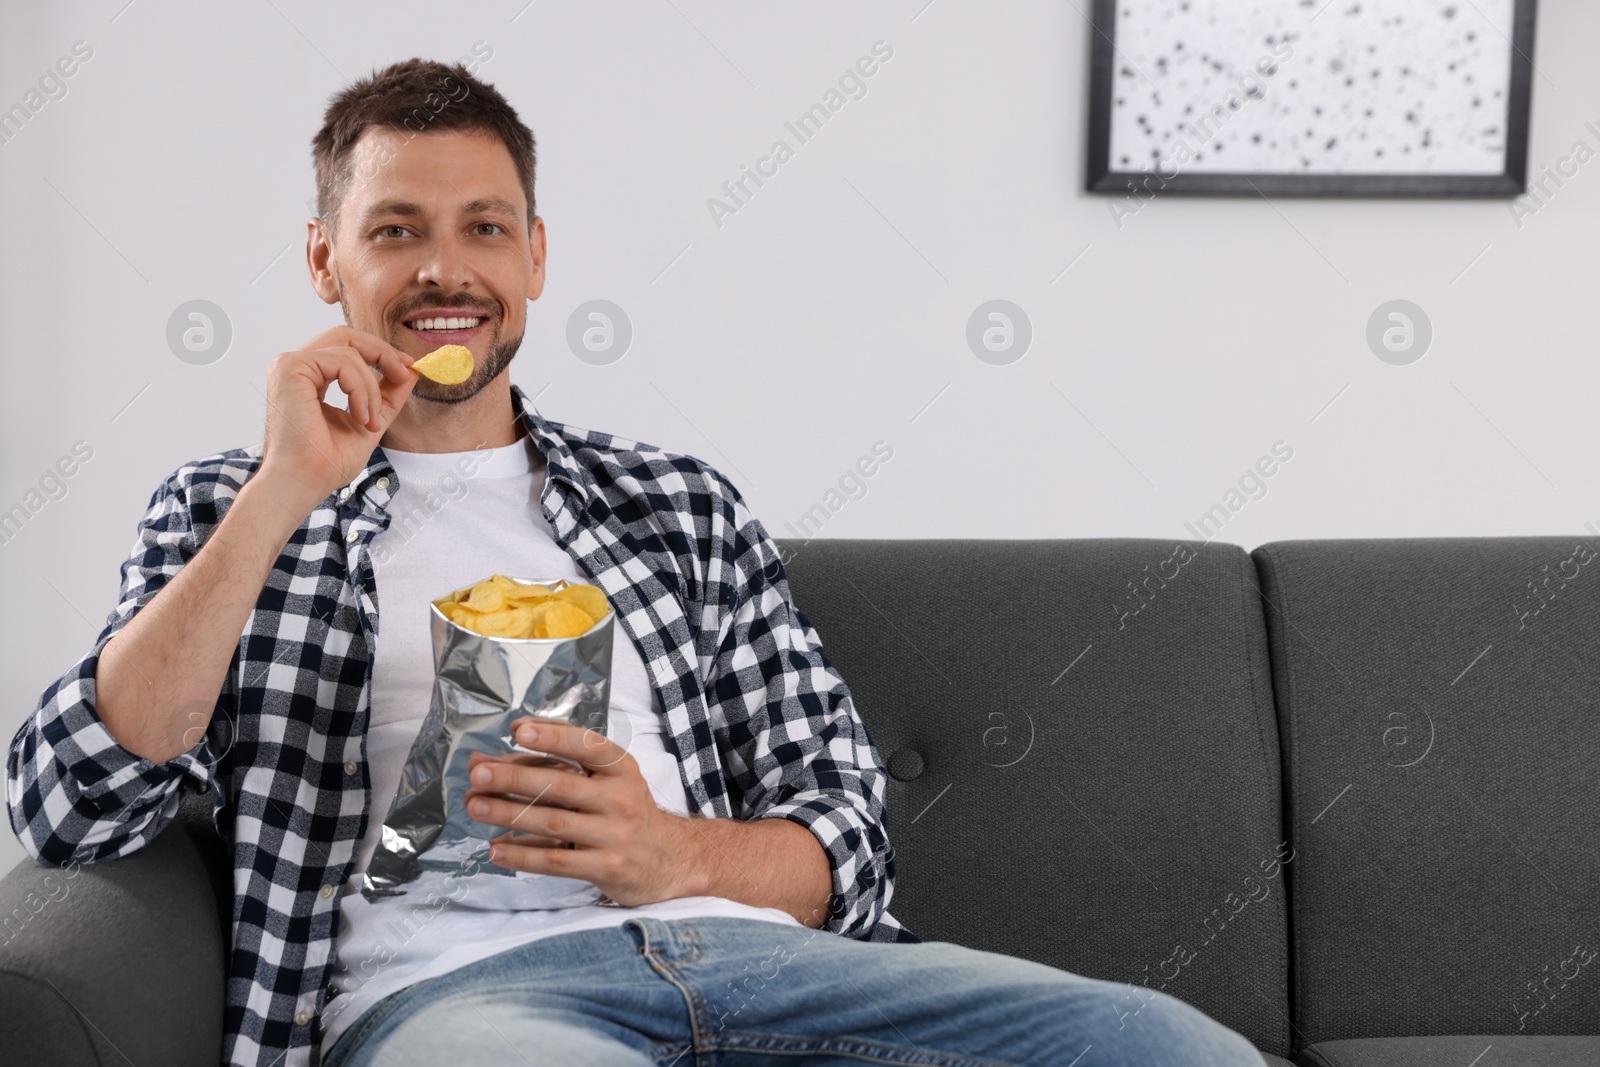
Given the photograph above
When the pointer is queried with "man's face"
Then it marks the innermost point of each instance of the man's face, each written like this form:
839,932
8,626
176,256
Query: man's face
434,226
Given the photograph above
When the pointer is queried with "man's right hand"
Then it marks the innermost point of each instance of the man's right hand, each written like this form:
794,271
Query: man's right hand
158,679
311,447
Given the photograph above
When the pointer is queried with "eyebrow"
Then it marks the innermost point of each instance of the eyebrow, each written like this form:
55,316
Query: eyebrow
491,205
407,209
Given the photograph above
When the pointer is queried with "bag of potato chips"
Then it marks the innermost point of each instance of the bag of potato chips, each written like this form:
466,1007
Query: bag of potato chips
503,649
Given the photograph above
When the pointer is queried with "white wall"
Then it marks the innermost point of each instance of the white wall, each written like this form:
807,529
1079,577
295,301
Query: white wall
822,317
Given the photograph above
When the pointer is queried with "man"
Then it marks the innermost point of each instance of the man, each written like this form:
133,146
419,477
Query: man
737,829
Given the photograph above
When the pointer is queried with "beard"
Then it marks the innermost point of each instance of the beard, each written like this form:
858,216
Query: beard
484,370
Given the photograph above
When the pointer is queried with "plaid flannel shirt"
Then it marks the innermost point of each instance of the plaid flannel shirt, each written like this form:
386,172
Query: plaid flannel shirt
763,724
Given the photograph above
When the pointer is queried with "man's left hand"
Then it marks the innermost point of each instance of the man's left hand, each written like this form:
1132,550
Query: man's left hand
621,840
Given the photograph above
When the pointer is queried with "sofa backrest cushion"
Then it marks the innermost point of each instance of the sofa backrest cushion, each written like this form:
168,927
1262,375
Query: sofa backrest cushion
1440,703
1082,751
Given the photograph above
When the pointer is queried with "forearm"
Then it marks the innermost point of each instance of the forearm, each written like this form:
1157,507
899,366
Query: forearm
766,863
157,679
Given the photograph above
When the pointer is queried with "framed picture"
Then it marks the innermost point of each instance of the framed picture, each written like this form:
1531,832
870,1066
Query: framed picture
1310,97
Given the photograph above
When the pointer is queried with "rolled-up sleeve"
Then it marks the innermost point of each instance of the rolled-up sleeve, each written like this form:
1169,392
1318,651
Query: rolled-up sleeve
796,749
72,791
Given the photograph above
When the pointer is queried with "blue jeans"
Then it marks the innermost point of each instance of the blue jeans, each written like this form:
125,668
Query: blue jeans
734,992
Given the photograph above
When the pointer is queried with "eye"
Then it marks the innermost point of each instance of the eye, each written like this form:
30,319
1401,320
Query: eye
384,232
495,225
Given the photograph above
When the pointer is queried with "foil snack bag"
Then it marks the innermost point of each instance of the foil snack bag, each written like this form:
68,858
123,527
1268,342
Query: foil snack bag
482,686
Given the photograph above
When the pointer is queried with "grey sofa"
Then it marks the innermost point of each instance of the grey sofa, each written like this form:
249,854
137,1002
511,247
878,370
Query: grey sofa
1344,796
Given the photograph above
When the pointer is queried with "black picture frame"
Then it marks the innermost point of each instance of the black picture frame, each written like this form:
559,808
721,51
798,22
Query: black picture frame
1101,177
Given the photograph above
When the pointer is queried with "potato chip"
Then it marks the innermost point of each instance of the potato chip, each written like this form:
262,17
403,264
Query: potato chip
486,596
588,597
447,364
455,612
521,592
560,619
514,622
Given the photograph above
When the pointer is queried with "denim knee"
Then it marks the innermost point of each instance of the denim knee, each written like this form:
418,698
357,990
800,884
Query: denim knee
1149,1027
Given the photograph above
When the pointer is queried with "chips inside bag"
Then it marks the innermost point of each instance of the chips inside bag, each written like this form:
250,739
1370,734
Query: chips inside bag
483,684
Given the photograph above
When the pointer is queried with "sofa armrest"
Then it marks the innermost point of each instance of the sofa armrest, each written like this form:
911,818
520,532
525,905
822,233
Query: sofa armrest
116,961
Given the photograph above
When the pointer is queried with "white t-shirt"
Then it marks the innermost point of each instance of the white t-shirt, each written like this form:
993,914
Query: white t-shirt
456,518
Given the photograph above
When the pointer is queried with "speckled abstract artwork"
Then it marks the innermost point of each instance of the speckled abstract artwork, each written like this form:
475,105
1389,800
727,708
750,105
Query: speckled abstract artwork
1311,87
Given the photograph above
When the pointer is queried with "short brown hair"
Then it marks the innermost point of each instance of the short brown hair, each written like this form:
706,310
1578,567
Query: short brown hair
419,95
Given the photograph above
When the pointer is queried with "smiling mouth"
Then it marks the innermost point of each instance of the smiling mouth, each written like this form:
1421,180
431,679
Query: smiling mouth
452,329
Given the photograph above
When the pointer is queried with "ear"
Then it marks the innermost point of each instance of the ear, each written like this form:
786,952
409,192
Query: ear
536,254
320,261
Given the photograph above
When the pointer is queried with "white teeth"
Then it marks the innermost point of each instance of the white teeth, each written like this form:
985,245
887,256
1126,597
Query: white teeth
445,324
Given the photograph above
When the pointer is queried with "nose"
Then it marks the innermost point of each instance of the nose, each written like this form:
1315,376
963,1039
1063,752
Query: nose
445,266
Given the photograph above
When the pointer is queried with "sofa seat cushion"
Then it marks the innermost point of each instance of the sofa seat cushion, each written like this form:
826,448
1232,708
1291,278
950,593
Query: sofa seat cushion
1454,1051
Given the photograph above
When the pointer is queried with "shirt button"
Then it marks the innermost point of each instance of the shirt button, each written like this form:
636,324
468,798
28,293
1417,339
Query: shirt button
302,1017
344,494
352,535
327,892
351,767
383,483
